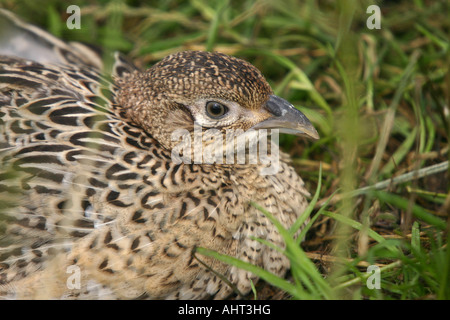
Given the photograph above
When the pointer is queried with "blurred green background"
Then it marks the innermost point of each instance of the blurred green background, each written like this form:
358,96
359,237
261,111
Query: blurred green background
378,97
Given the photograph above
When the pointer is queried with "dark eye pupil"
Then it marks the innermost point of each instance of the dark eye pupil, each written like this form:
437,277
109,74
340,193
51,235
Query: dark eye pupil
215,109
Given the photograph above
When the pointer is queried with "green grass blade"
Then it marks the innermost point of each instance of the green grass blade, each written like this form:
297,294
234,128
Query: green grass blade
354,224
214,28
305,215
400,153
260,272
417,210
299,257
314,218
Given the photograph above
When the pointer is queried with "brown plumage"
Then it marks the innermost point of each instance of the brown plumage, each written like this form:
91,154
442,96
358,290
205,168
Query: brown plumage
92,187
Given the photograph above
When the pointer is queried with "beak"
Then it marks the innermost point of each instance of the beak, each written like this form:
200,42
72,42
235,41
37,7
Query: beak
287,119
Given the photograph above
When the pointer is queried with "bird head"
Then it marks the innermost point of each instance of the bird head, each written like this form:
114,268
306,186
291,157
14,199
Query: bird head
207,90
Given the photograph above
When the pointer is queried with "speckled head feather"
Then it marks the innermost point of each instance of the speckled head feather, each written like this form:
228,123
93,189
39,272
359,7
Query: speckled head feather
195,74
157,96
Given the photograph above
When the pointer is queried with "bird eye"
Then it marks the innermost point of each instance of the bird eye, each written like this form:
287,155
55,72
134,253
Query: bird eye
215,110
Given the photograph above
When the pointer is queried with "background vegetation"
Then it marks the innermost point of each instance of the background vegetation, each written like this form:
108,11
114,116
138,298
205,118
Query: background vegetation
379,99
